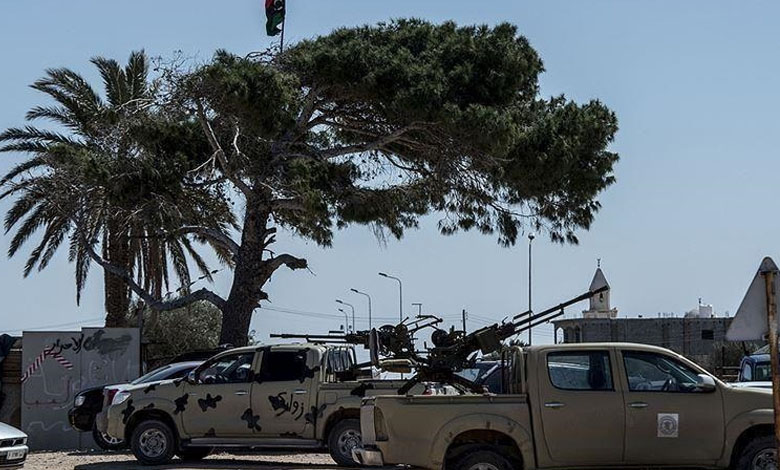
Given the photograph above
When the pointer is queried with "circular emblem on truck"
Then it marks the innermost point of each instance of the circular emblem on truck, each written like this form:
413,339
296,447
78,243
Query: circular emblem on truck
668,424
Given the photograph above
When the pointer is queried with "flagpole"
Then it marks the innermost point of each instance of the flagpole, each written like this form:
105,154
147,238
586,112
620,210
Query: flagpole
284,26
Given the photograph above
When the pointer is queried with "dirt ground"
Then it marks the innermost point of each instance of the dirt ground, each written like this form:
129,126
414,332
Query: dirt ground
219,461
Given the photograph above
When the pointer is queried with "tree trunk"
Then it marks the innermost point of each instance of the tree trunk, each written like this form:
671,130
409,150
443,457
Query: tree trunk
250,275
117,294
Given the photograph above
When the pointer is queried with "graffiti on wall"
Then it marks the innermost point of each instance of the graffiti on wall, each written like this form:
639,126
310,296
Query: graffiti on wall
61,364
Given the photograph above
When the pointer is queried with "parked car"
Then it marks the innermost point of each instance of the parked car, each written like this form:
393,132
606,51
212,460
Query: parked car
295,396
88,403
595,405
754,371
13,447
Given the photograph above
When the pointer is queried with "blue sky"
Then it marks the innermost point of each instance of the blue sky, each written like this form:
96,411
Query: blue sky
693,211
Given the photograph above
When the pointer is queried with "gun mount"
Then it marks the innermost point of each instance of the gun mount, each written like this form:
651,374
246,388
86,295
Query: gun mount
388,341
454,351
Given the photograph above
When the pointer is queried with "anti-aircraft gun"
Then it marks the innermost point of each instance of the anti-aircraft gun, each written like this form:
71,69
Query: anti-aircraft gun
455,350
391,342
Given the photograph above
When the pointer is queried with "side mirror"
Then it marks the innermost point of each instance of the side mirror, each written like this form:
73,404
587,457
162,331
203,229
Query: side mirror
707,384
192,378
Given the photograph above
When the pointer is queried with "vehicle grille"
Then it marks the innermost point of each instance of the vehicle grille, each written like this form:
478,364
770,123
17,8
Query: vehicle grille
4,461
11,442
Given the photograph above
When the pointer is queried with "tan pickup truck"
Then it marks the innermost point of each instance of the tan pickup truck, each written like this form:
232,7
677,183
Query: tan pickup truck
596,405
298,396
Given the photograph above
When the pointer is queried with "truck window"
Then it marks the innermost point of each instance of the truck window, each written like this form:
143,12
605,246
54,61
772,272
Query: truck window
581,370
763,371
283,366
652,372
234,368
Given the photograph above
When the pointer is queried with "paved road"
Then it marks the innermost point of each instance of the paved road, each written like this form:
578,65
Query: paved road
125,461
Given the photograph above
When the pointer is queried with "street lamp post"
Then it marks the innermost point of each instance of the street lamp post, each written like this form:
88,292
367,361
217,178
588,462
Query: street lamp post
369,305
400,295
531,237
346,321
419,307
339,301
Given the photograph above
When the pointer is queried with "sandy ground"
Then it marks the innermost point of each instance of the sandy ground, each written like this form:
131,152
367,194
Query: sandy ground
219,461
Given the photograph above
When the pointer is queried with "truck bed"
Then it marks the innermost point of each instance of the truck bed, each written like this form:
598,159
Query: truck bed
412,420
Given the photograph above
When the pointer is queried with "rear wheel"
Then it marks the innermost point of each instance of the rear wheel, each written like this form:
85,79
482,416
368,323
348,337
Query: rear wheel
153,443
760,454
194,453
106,442
483,460
344,437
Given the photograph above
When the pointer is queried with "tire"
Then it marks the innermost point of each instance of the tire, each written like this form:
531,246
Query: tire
153,442
483,460
344,437
191,454
759,452
106,442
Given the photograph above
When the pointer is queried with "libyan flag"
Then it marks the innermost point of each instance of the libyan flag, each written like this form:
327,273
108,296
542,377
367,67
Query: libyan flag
274,13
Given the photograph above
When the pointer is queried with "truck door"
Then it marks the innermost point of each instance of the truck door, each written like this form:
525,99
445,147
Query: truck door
668,417
213,405
581,411
285,392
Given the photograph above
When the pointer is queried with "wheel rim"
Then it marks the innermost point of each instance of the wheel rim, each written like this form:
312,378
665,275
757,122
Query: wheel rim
153,443
110,440
483,466
348,440
765,460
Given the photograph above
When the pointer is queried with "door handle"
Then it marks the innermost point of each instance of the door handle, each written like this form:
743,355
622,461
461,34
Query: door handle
554,404
241,393
638,404
300,391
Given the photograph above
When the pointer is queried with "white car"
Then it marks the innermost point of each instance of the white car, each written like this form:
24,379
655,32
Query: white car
13,447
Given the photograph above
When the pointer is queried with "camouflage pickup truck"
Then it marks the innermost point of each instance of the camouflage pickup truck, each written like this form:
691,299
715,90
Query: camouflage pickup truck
301,396
597,405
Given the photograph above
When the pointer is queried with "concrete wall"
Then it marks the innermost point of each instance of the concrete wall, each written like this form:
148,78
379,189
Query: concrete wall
691,337
98,356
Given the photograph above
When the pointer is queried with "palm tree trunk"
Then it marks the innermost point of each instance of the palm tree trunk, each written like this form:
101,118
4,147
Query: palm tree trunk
117,294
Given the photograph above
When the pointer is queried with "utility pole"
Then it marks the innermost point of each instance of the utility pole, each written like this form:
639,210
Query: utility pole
531,237
464,316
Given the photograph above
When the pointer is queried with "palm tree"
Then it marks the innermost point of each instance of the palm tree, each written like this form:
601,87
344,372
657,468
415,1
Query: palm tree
109,181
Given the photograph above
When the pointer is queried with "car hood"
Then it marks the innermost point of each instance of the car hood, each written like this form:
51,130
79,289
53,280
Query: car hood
8,432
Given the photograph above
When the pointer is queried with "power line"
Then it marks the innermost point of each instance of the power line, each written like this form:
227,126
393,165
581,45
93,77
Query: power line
60,325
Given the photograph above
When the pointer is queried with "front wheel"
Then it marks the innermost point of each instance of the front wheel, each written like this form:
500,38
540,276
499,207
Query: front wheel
106,442
483,460
760,454
153,443
344,437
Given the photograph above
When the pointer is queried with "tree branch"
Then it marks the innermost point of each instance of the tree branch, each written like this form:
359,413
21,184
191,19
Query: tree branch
220,153
287,260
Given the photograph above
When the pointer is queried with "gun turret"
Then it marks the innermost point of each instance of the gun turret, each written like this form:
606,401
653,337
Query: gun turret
455,351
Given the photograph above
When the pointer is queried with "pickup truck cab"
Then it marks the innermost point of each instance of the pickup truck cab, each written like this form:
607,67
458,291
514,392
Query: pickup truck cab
596,405
300,396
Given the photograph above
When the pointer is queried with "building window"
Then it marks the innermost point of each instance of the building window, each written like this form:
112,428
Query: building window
707,334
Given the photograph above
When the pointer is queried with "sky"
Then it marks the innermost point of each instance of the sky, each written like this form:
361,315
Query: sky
694,86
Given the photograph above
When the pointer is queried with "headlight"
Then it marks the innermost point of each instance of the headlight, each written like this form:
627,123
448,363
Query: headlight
120,398
79,400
